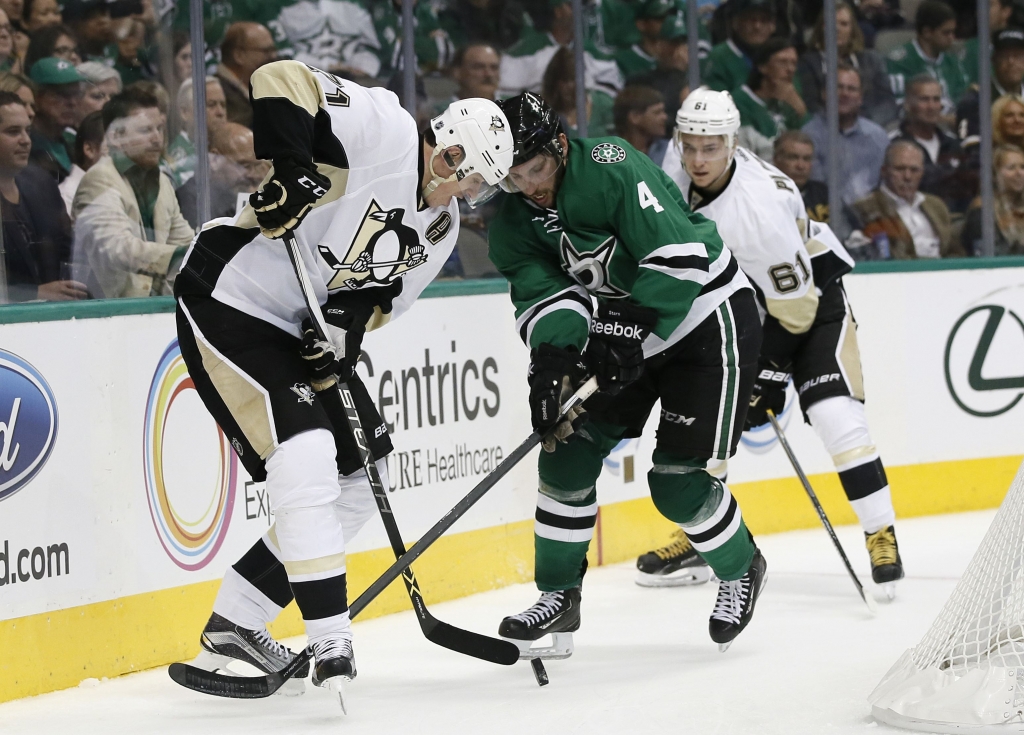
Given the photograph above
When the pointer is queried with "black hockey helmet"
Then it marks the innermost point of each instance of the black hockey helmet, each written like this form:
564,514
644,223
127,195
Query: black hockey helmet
535,127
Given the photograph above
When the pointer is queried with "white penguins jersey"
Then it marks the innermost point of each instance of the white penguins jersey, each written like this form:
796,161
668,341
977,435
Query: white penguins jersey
370,230
760,216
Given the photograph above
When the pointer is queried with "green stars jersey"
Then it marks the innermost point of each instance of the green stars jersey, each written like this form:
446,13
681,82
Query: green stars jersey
909,60
621,228
762,121
726,67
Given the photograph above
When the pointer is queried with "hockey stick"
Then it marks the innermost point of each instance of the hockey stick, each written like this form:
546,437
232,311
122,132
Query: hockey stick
256,687
868,599
462,641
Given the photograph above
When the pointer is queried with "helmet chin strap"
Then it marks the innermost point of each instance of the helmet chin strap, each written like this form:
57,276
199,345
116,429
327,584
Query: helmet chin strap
435,180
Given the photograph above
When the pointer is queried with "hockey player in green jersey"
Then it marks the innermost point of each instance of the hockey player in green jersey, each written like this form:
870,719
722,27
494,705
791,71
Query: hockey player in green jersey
676,320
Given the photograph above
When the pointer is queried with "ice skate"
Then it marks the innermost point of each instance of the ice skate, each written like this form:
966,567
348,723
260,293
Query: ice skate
674,565
735,604
886,565
557,613
335,666
224,642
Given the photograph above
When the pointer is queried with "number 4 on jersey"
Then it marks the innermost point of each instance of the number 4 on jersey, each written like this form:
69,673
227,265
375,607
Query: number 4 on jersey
647,199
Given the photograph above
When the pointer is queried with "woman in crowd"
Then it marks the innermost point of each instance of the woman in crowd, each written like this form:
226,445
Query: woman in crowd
9,61
879,104
1008,120
52,40
1008,170
22,86
102,83
559,91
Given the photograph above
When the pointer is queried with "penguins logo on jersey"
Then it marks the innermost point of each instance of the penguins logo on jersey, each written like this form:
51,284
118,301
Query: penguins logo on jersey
382,250
590,270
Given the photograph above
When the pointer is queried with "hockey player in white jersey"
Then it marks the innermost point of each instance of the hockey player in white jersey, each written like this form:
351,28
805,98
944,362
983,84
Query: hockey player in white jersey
372,206
810,336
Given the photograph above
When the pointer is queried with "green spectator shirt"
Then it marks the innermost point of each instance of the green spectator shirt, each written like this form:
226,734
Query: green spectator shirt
523,65
434,49
634,61
181,159
969,60
621,229
762,121
907,61
726,67
602,118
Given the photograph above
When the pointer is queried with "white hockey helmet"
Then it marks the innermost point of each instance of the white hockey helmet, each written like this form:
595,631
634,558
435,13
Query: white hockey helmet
480,130
707,112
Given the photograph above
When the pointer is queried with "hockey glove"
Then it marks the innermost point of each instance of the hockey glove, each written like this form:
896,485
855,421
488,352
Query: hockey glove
289,195
554,374
769,393
329,362
615,352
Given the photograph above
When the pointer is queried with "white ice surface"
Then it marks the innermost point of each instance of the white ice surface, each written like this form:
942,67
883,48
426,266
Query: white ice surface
643,664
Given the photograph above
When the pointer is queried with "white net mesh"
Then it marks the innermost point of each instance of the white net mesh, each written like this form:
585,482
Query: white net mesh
982,623
969,667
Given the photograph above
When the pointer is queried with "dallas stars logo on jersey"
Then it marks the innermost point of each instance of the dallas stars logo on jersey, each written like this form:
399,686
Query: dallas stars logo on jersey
382,250
608,153
590,270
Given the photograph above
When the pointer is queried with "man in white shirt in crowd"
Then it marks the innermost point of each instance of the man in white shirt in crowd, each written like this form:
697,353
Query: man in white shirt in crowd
945,176
897,220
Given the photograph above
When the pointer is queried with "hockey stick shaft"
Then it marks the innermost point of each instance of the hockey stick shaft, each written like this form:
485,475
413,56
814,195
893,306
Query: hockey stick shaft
868,600
239,687
462,641
460,508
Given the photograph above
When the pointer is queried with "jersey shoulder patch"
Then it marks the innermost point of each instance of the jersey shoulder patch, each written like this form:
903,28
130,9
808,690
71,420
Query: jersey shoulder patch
608,153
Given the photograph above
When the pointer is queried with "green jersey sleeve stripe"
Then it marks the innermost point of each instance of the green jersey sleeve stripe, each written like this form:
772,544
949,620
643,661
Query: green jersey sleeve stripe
574,298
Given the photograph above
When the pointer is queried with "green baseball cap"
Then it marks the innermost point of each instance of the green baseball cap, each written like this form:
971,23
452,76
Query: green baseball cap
673,28
655,8
53,71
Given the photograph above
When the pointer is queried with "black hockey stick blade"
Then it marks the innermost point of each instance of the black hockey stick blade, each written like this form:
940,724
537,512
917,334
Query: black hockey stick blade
868,599
235,687
469,643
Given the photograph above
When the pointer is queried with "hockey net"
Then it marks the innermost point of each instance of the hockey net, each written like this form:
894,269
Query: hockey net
967,673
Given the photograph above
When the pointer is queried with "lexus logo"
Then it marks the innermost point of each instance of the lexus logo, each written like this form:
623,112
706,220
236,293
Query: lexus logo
984,362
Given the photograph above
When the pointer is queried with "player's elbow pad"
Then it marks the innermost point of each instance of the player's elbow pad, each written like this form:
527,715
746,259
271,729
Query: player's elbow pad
795,315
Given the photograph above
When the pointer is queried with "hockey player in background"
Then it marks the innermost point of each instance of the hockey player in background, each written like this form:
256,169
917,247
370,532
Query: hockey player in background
796,266
372,206
676,320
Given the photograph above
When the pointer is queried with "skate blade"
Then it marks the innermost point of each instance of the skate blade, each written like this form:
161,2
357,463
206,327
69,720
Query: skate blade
336,685
688,577
217,662
561,647
889,588
723,647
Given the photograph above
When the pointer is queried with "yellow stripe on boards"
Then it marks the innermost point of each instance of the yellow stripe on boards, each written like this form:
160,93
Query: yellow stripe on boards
57,650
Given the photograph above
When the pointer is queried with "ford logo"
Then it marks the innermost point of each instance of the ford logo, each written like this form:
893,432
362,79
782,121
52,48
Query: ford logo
28,423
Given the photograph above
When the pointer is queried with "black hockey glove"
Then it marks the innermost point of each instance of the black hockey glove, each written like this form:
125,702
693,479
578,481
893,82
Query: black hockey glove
554,374
615,353
284,200
329,362
769,393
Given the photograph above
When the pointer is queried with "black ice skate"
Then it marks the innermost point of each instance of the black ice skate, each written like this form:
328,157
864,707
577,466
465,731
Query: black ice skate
224,642
557,613
735,604
335,666
886,565
674,565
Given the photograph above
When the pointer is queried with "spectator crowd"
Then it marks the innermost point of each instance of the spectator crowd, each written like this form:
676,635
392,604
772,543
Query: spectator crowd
98,120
